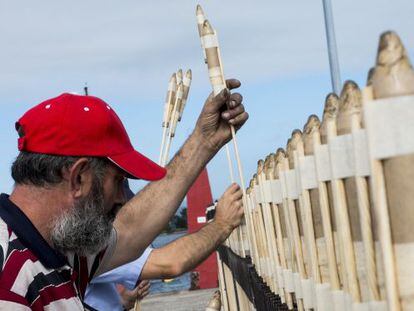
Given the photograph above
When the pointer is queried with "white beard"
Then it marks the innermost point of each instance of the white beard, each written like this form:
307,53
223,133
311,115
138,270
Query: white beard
84,229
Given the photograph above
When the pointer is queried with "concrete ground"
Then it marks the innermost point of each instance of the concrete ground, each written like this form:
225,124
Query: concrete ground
196,300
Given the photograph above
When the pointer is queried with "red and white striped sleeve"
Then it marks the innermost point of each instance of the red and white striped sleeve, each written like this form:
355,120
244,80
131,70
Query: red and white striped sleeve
12,301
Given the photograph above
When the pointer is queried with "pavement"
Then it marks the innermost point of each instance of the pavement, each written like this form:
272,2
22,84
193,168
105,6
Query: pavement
196,300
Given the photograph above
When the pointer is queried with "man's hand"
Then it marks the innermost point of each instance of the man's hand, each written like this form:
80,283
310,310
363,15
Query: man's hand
139,217
128,297
229,210
218,113
187,252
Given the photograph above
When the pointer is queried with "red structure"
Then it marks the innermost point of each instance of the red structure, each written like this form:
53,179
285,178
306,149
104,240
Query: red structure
198,199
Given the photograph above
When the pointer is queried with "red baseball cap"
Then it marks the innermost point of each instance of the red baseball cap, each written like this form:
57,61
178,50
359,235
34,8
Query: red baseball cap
76,125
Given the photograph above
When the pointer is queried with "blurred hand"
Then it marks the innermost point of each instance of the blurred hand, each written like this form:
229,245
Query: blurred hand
128,297
229,210
218,113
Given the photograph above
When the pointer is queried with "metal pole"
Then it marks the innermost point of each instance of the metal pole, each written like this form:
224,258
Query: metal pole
332,50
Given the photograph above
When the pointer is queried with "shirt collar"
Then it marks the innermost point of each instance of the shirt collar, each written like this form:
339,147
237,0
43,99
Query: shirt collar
28,234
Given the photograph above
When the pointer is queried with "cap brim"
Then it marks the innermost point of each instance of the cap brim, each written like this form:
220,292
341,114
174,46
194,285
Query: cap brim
138,166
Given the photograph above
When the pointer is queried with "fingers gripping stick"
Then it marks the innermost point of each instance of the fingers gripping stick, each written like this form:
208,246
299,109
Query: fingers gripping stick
210,45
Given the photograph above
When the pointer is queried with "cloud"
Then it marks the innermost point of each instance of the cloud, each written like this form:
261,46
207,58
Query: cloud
108,40
126,51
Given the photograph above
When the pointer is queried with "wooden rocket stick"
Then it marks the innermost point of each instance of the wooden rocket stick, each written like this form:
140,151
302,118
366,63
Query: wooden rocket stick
179,75
262,246
215,302
218,82
391,178
230,293
270,239
259,225
178,107
240,231
329,115
222,283
234,241
306,209
137,305
173,122
223,286
312,140
168,109
291,222
342,217
186,89
264,179
271,175
200,21
251,203
243,231
257,251
175,111
274,228
379,199
230,289
349,120
294,208
237,235
227,276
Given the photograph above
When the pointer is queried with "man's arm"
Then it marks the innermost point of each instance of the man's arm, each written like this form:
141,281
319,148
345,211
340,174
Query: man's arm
145,216
127,274
187,252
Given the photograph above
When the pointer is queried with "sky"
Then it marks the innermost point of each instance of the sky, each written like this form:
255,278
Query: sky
127,50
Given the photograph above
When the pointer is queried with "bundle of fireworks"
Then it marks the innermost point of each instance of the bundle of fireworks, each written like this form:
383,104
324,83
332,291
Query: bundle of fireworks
331,213
327,218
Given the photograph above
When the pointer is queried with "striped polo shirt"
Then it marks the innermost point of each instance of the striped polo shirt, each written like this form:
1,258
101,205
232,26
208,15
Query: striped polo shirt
33,275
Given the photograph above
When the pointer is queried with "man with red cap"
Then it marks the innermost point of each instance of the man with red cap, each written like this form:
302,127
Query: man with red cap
58,226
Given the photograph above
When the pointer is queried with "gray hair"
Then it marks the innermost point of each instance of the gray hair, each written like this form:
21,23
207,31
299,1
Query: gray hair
43,169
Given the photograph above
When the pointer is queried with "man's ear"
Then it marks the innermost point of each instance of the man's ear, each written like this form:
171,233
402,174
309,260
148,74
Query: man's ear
80,178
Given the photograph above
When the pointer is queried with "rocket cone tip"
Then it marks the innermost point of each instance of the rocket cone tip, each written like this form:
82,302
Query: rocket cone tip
293,141
390,49
199,9
260,165
389,37
270,159
289,147
296,133
312,124
351,97
331,106
280,155
370,75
